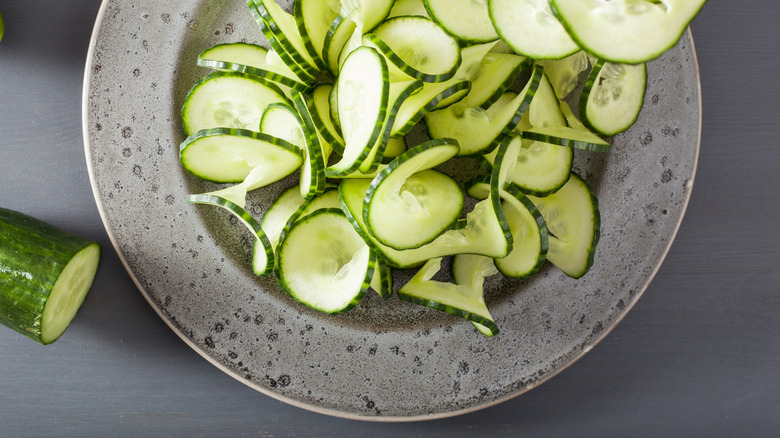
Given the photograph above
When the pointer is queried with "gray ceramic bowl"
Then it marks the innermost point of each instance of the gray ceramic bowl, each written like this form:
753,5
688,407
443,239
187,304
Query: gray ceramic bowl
387,361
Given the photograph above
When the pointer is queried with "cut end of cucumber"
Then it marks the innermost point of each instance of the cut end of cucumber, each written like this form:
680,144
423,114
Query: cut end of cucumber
69,292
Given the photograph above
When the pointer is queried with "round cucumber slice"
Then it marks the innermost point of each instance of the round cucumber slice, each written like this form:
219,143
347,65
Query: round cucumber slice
228,100
574,223
467,20
613,97
323,263
530,28
626,31
252,60
408,205
417,47
228,155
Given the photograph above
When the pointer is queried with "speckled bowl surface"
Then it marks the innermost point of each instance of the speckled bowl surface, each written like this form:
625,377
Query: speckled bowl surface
385,361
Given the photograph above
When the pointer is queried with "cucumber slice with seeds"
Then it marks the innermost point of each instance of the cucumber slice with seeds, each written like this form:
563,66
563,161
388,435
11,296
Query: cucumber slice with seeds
324,264
467,20
478,131
408,205
531,28
613,97
249,59
363,93
564,74
225,155
229,100
416,47
644,28
497,72
574,223
484,231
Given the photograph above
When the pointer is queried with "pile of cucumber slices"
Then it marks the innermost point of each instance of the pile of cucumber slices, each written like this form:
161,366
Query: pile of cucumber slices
342,85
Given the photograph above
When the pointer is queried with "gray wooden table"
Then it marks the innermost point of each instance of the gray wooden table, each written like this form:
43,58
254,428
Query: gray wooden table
698,356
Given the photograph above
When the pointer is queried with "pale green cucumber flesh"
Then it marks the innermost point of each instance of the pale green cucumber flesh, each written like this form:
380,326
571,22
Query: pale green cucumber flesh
467,20
644,29
531,28
574,223
323,263
458,300
613,97
229,100
229,155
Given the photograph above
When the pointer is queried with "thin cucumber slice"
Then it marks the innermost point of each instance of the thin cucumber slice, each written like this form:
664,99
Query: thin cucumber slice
626,31
278,214
340,31
368,14
319,107
324,264
540,168
399,92
564,74
229,100
313,18
567,136
226,155
249,59
382,283
467,20
529,233
328,199
531,29
395,147
282,121
363,93
471,269
312,175
497,72
576,135
465,301
426,100
478,131
262,253
484,231
574,223
530,240
284,29
408,205
417,47
439,95
45,274
545,109
404,8
279,47
613,97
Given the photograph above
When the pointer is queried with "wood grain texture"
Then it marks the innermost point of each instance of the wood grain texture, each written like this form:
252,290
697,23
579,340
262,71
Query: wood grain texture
698,356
